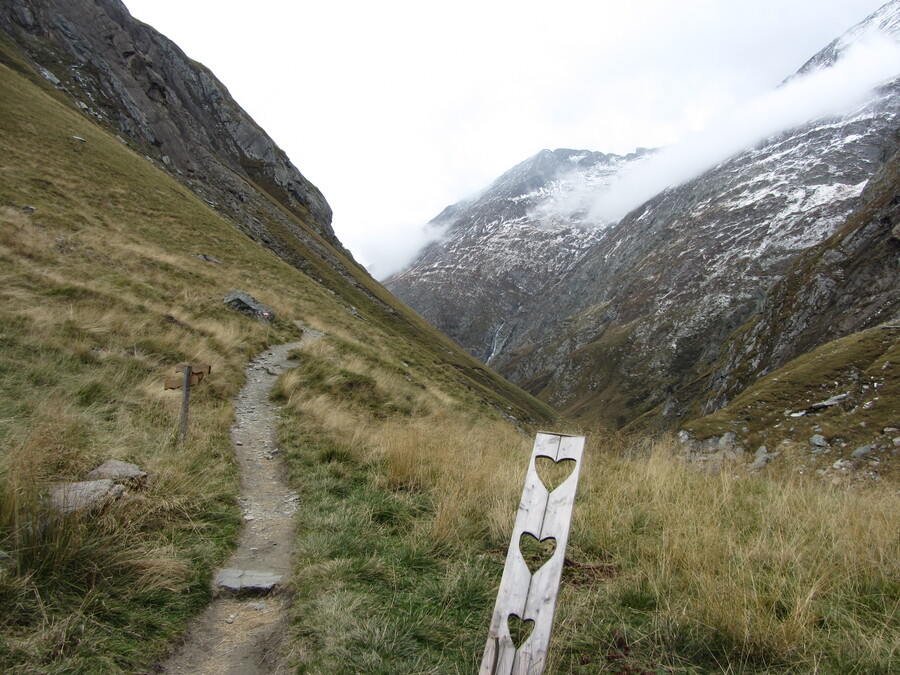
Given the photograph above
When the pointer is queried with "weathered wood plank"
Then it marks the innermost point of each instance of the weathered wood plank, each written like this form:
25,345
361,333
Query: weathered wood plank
542,514
177,382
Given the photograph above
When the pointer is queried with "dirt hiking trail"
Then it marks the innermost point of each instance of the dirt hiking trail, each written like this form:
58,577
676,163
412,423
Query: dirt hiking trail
240,632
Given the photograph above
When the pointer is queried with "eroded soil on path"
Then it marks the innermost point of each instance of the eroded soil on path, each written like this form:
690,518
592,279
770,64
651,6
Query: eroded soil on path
240,632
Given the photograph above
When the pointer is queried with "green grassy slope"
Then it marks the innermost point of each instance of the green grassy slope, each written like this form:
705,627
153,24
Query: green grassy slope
779,411
101,295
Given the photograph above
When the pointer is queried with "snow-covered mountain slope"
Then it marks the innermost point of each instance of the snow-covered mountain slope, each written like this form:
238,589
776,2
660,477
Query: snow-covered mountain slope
648,308
844,285
884,22
503,248
632,311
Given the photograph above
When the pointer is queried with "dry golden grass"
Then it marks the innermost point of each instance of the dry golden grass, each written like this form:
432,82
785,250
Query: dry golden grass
335,420
725,571
744,568
473,469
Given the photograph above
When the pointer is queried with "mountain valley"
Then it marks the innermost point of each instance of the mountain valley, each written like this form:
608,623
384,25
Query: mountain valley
614,321
754,305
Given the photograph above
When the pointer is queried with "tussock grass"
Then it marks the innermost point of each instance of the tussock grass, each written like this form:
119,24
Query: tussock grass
669,569
473,472
748,572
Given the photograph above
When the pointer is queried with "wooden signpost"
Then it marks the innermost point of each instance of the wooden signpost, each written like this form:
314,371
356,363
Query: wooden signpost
191,375
523,596
197,373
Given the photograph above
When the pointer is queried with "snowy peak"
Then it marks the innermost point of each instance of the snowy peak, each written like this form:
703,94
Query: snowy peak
506,246
609,318
884,23
536,189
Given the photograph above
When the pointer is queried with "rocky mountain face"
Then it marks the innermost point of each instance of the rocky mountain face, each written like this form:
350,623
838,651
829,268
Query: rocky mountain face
138,83
652,302
813,375
502,250
846,284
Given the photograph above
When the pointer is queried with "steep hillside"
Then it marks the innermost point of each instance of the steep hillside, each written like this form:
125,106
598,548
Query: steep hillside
820,358
848,283
650,306
114,272
139,85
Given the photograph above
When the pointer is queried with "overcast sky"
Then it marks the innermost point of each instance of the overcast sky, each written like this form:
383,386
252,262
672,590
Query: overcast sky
395,109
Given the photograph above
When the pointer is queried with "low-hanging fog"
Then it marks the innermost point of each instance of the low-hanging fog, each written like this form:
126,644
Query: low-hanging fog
820,93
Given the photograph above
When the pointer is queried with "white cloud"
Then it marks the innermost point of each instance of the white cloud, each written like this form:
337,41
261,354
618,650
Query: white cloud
386,255
818,94
395,109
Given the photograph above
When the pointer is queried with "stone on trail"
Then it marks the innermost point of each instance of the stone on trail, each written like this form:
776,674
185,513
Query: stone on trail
235,582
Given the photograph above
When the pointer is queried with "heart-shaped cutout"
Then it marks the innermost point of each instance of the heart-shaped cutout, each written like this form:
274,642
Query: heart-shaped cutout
536,552
519,630
552,473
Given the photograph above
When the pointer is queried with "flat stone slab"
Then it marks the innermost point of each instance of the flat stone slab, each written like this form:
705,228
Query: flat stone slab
84,495
231,581
118,472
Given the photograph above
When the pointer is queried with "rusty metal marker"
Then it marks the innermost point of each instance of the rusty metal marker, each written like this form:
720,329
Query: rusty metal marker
525,597
191,376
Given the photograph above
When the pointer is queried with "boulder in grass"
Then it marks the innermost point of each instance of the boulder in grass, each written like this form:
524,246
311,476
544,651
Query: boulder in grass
862,451
247,304
84,495
119,472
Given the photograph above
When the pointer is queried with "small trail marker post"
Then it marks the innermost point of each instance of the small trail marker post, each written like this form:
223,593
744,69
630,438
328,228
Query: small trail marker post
191,375
545,514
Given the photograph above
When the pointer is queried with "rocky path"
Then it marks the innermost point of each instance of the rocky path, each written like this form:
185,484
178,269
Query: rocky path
240,631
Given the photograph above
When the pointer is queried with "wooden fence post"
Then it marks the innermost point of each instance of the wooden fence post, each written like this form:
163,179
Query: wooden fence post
192,375
527,597
185,402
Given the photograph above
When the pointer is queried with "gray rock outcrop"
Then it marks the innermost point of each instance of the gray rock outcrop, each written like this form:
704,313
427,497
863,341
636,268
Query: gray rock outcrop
124,71
247,304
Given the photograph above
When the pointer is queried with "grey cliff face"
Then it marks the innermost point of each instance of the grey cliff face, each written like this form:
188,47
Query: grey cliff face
128,76
846,284
639,309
